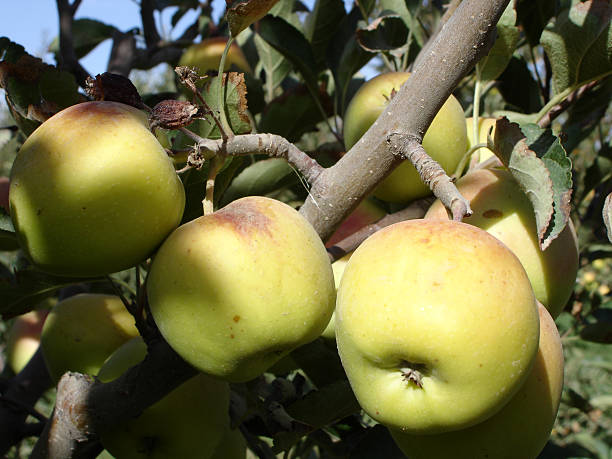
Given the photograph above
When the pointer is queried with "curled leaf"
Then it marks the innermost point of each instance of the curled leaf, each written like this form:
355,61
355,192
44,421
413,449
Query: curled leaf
115,88
385,33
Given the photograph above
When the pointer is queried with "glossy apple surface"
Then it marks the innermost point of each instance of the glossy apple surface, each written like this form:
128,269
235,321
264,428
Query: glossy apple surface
502,209
486,127
520,429
81,332
189,422
445,140
93,192
235,291
23,338
436,325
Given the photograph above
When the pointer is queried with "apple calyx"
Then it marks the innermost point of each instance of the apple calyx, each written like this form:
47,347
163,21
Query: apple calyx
413,373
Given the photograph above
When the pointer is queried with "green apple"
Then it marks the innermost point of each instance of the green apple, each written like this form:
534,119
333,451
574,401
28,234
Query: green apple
445,140
81,332
502,209
23,338
189,422
338,267
93,192
486,127
436,324
234,291
232,446
520,429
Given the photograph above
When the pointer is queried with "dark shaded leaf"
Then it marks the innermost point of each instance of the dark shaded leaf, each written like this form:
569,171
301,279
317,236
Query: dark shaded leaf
579,44
533,17
86,35
385,33
519,88
243,13
321,25
8,238
377,443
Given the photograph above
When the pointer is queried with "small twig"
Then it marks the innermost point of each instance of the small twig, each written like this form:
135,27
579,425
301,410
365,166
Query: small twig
215,166
558,109
415,210
432,174
68,59
149,28
23,407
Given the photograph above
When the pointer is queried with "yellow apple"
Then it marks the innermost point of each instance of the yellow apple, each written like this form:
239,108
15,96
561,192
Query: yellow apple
338,267
206,56
445,140
484,125
234,291
502,209
93,192
189,422
81,332
520,429
436,325
23,338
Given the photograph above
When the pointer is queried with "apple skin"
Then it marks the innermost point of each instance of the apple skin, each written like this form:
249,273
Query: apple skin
484,124
206,56
522,427
189,422
445,141
23,338
235,291
443,298
81,332
93,192
503,210
232,446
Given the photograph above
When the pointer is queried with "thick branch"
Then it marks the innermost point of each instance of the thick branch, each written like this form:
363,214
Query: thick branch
23,390
149,28
67,55
122,53
464,39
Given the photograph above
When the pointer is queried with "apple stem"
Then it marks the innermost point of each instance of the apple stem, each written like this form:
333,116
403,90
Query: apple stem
215,166
413,373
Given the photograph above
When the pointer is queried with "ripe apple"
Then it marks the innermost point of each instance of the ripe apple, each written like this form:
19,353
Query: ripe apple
206,56
484,125
445,140
520,429
502,209
189,422
82,331
93,192
234,291
436,325
338,267
23,338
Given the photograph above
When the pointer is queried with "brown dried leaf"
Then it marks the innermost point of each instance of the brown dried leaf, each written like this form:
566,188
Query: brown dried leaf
173,114
243,13
237,80
115,88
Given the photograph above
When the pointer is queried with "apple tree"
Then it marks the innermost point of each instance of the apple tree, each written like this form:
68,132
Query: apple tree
184,243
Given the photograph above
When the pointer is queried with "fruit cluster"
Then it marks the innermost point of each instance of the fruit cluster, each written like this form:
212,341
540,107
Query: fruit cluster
437,323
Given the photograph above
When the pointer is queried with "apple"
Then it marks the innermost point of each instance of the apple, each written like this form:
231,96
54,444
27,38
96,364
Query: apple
445,140
81,332
93,192
206,56
338,267
232,446
484,126
502,209
189,422
23,338
236,290
436,325
520,429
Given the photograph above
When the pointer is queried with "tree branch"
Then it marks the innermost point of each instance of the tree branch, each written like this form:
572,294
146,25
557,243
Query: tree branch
558,109
67,56
464,39
149,28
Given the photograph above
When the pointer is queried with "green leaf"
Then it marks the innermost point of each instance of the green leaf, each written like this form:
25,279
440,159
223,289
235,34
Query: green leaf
59,88
345,57
292,44
518,86
579,44
598,332
494,63
385,33
86,35
243,13
540,165
8,238
293,114
235,106
28,288
275,66
533,17
377,442
321,25
260,178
